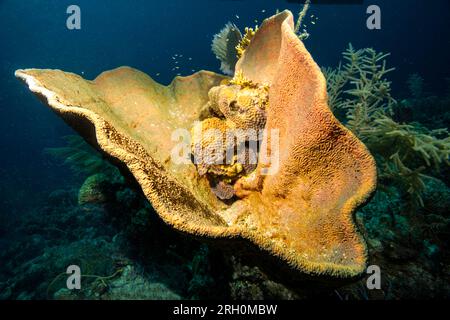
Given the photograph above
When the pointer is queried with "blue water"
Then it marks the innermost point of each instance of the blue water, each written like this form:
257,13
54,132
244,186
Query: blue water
146,34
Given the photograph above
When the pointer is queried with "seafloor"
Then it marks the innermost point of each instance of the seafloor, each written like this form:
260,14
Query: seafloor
108,228
102,222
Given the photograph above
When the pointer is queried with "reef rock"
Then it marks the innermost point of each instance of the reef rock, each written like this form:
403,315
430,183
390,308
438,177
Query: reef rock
95,189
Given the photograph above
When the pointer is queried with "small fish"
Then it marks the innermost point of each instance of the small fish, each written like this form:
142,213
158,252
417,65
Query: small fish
313,22
181,56
256,20
193,70
176,62
237,17
178,74
158,74
189,58
263,10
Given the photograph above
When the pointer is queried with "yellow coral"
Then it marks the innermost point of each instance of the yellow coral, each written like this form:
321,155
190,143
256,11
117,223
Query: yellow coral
240,80
209,143
245,41
243,108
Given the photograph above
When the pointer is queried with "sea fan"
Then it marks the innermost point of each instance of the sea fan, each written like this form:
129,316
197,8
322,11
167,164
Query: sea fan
224,47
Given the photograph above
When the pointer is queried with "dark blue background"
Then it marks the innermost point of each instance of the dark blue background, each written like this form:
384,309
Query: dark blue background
146,34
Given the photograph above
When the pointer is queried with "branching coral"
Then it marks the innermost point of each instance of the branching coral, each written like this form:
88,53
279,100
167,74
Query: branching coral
360,87
245,41
81,157
416,145
221,143
404,152
298,24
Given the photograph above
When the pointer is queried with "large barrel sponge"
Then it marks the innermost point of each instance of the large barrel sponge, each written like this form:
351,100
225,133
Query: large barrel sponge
300,218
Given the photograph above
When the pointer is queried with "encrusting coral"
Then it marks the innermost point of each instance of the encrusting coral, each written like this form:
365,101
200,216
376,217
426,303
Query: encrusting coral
299,218
219,144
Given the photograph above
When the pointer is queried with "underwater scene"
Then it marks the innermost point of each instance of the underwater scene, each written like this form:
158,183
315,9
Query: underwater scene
224,150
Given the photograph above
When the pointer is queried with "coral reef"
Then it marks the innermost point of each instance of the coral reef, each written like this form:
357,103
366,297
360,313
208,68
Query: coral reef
359,87
360,94
301,216
125,253
100,175
298,24
406,223
95,189
224,145
411,107
101,240
245,41
299,117
324,173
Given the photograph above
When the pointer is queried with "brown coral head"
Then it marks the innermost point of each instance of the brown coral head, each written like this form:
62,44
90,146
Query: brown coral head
300,216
